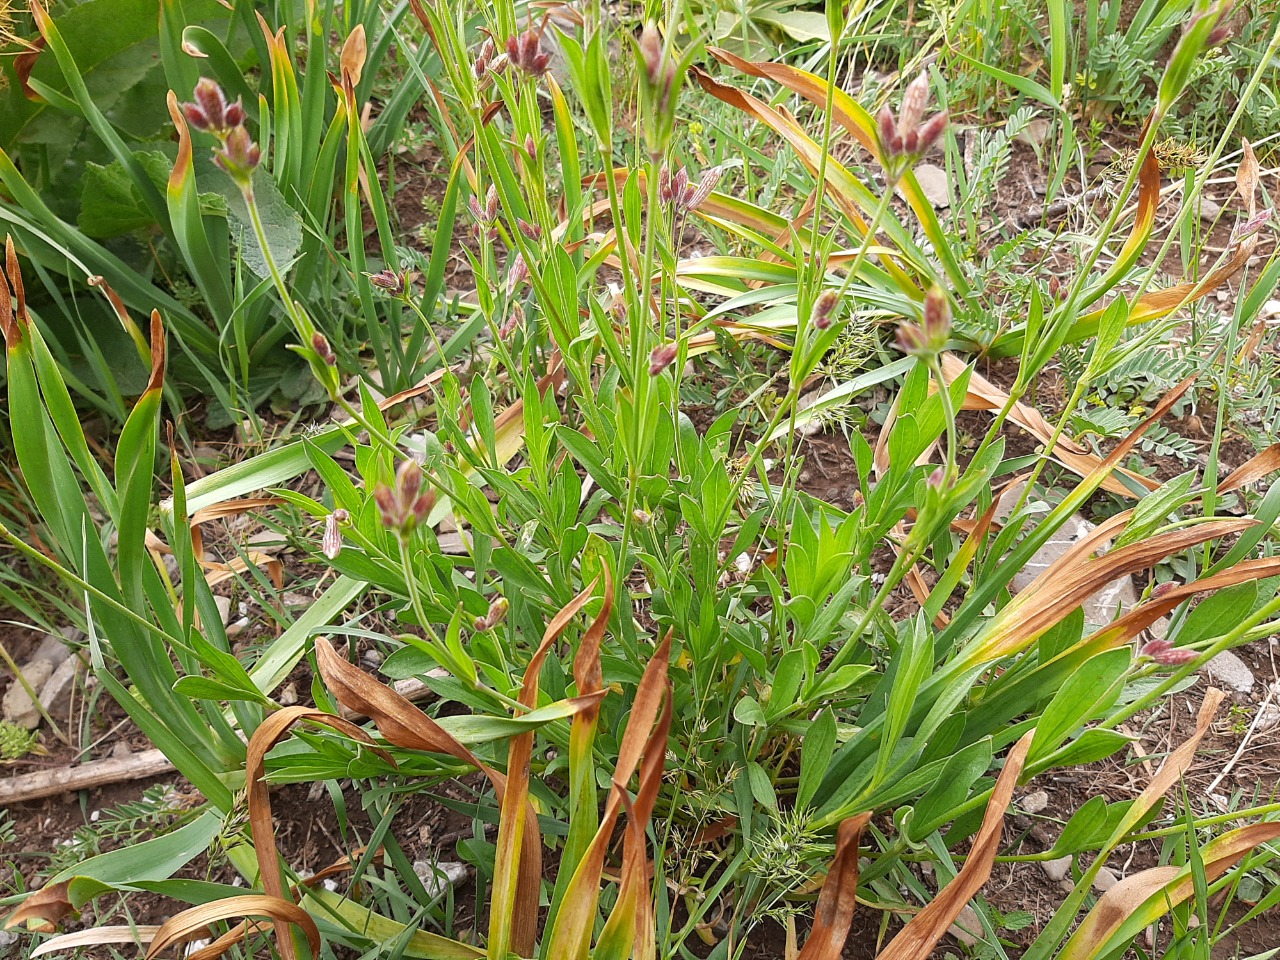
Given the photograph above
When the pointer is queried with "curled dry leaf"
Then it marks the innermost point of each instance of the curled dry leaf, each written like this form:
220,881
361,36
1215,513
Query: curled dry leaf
195,922
927,927
138,935
1138,901
839,897
44,909
269,733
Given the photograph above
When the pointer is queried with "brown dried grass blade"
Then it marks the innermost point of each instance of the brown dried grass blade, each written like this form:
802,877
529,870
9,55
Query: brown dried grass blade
268,734
1255,468
1139,900
138,935
926,928
513,917
839,898
194,922
570,935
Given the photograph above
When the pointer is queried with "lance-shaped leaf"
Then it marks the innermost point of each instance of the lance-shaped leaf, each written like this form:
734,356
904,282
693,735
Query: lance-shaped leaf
1137,902
194,922
839,897
926,928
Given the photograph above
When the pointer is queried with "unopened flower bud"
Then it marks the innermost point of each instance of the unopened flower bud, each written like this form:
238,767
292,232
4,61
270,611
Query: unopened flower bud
1166,654
331,545
1163,589
517,273
530,146
937,315
937,478
526,53
487,52
388,280
651,51
321,346
665,194
491,203
213,104
497,613
531,230
662,357
824,308
914,100
239,155
641,517
404,505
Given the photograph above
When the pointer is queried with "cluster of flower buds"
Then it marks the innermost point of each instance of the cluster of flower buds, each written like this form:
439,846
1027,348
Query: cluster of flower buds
1221,32
677,191
663,355
497,613
236,153
531,230
395,283
403,505
488,61
486,216
905,140
930,338
331,545
824,309
1250,227
524,51
1166,654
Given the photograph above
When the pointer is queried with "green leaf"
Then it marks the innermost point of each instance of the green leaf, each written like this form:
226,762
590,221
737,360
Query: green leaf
749,712
761,787
815,756
157,859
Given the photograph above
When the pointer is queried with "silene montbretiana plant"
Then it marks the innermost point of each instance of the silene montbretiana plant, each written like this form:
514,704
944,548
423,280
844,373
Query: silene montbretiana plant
703,695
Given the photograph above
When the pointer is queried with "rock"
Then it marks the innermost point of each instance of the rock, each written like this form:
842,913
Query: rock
1268,716
456,543
934,184
1034,133
7,939
55,695
968,927
440,876
1210,209
120,750
372,658
17,706
1058,869
1035,802
1271,310
224,608
55,647
1105,880
288,694
1104,606
1231,671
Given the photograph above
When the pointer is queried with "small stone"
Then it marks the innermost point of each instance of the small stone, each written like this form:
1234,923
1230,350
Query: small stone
1271,310
1210,209
17,706
1035,802
438,877
372,658
239,627
224,608
57,647
456,543
1105,880
288,695
967,928
1268,716
1034,133
1231,671
55,695
1066,886
121,751
1058,869
934,184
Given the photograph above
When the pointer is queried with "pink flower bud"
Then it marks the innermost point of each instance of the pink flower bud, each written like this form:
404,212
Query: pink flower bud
321,346
517,273
662,357
525,52
651,52
213,103
234,115
914,100
491,203
530,146
1166,654
531,230
331,545
823,309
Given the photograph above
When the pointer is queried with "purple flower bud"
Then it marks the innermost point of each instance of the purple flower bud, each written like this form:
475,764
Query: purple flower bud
1166,654
321,346
823,309
696,195
937,316
517,273
530,146
525,52
937,478
665,194
1163,589
331,545
474,206
651,52
213,103
932,131
662,357
234,115
513,323
196,117
887,127
914,100
491,204
497,613
531,230
388,280
239,155
403,506
408,481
